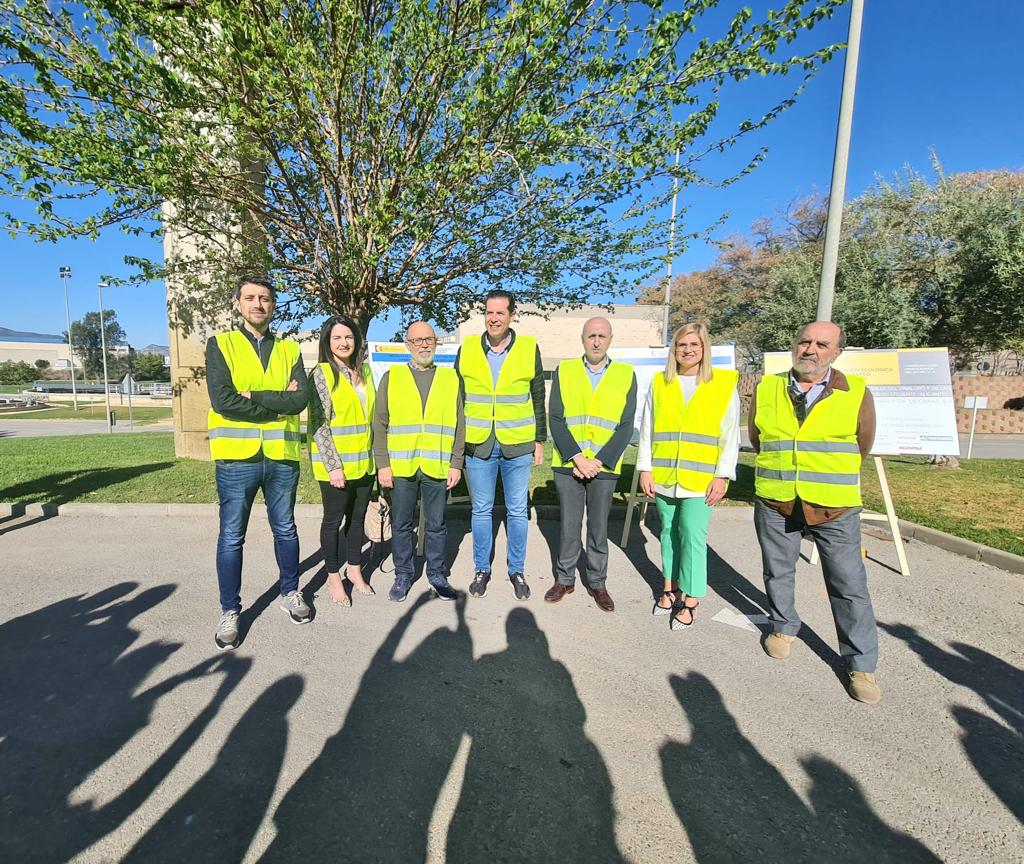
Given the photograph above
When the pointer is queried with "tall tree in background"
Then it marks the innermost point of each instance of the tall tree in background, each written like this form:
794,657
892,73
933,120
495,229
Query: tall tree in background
920,263
85,334
377,153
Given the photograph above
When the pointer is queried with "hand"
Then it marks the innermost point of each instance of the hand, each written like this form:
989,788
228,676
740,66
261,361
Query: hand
716,491
292,387
577,474
538,453
454,475
589,468
386,478
337,478
245,394
647,483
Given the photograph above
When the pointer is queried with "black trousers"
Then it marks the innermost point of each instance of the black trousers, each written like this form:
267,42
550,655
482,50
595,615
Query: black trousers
346,505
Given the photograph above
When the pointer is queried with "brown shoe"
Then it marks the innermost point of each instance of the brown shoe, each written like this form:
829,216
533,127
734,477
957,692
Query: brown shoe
777,645
557,591
602,598
863,687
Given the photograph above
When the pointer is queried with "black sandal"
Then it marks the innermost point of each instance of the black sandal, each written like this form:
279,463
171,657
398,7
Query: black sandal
682,625
666,610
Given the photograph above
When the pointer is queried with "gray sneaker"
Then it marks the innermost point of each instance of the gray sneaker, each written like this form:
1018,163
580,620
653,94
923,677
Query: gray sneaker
226,636
296,607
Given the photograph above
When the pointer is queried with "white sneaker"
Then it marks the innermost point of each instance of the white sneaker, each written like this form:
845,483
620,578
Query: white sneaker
226,636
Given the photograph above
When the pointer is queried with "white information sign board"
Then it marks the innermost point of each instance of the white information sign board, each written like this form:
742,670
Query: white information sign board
647,362
913,395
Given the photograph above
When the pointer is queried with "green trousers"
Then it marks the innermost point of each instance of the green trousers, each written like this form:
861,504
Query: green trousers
684,543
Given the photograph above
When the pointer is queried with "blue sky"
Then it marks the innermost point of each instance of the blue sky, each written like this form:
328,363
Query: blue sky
938,75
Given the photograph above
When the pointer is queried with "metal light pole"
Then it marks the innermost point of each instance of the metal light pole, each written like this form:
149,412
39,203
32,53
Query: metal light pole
671,251
65,274
103,342
837,192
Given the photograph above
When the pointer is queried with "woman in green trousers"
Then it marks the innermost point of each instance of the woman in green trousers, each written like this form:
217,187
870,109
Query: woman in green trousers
689,444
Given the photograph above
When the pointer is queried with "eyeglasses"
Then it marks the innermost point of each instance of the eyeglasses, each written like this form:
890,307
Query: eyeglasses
423,341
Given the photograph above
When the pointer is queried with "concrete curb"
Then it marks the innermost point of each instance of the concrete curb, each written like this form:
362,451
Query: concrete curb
910,530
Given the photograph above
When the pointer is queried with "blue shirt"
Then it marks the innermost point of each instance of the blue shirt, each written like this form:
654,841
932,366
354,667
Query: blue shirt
595,377
810,396
495,359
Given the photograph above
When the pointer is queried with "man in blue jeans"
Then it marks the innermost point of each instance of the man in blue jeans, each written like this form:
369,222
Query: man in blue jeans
257,391
503,385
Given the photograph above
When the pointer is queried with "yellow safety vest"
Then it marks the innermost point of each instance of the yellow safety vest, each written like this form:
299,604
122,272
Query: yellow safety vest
818,461
351,427
421,438
241,439
684,437
506,407
592,413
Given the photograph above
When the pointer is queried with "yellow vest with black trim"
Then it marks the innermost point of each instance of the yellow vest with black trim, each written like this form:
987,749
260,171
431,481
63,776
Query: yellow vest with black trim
351,427
818,461
420,438
592,413
242,439
505,406
685,436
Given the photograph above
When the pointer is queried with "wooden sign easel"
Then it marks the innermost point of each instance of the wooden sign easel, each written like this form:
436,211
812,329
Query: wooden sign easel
635,499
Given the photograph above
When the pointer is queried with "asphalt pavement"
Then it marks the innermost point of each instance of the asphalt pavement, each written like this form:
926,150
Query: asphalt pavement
493,730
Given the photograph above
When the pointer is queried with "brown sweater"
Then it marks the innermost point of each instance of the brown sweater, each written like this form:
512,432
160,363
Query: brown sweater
816,514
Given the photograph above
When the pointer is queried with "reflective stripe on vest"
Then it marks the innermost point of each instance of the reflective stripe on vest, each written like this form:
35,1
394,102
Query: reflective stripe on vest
351,427
505,407
592,414
819,461
420,438
240,439
685,437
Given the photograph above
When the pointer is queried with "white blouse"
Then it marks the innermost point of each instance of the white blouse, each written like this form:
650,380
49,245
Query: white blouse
728,439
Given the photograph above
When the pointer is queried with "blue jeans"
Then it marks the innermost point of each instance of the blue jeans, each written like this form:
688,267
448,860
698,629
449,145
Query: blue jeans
403,508
515,480
237,484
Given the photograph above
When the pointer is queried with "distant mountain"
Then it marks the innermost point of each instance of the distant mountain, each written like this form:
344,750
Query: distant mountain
8,335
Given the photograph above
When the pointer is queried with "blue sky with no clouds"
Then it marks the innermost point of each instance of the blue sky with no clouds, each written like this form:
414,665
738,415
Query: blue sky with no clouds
939,75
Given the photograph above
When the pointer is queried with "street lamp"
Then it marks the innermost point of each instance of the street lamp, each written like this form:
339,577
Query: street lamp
103,343
65,274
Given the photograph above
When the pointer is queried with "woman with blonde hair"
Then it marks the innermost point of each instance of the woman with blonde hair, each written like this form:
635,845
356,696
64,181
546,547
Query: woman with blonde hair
689,444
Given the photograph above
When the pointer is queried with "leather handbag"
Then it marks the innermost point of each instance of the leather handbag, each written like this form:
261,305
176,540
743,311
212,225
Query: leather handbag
377,522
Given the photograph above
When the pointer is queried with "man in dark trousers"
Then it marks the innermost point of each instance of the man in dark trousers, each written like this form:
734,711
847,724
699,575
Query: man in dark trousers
593,400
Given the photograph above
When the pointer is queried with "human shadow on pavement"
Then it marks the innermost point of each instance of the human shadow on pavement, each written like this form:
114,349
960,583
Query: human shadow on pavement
71,675
995,749
376,791
219,816
370,794
535,787
736,806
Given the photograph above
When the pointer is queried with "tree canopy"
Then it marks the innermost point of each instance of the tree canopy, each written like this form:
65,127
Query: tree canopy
377,153
920,263
88,342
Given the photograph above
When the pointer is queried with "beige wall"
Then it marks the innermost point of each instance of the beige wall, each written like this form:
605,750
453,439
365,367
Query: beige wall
558,335
29,352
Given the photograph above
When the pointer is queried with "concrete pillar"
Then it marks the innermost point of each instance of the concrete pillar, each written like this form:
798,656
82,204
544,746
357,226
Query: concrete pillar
187,334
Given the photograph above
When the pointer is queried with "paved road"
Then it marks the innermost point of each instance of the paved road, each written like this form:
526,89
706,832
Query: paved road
492,730
11,428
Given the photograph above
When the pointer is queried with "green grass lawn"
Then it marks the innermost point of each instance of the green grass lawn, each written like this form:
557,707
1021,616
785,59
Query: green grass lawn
94,411
981,502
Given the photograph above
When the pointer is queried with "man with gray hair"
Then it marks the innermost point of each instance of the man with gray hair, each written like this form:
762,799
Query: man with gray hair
811,427
593,400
